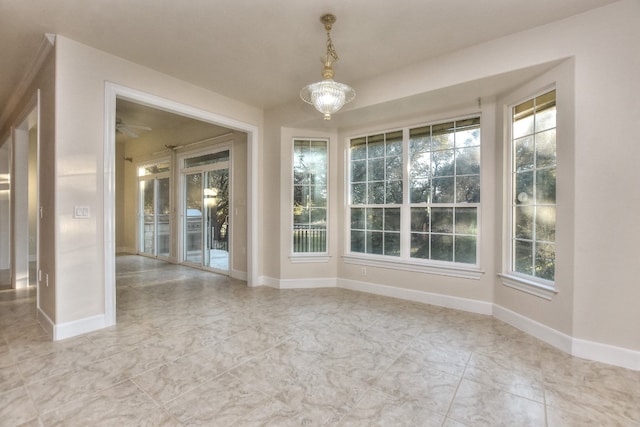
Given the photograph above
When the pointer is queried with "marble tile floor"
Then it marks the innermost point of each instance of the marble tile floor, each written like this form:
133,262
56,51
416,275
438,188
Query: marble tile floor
194,348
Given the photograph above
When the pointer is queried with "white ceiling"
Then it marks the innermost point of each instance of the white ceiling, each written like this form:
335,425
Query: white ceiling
262,52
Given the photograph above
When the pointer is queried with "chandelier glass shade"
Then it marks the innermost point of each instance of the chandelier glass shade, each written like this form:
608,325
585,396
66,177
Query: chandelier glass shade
328,96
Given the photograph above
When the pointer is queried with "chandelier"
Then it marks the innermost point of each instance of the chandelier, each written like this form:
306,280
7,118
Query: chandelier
328,96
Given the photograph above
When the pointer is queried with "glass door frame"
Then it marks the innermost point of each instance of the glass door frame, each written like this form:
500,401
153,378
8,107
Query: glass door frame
203,169
154,177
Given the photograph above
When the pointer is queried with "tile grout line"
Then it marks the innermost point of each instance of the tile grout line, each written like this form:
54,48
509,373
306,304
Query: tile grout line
158,404
457,388
546,409
214,378
375,381
31,399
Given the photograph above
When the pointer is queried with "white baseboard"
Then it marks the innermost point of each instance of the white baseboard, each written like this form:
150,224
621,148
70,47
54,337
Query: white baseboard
542,332
307,283
585,349
448,301
268,281
606,353
78,327
298,283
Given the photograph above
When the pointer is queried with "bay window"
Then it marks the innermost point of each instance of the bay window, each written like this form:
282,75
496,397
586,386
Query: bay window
414,193
310,167
533,188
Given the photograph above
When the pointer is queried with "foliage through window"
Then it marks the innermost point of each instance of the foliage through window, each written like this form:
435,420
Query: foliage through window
533,183
309,196
415,192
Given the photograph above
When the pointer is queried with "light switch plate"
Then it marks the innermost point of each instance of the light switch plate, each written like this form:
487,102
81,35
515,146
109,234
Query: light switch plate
81,212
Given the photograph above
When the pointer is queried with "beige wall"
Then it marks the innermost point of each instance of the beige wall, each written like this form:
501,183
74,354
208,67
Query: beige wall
607,203
81,74
315,270
598,266
558,312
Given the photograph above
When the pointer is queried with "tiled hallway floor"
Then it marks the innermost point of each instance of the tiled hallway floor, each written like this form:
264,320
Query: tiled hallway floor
192,348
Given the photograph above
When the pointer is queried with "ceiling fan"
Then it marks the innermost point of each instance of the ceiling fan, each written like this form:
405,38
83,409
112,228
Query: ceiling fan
130,130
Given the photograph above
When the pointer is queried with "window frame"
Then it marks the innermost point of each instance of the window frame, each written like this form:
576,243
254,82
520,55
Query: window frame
406,262
305,257
530,284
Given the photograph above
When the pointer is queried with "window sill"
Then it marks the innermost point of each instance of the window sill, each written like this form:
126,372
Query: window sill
309,257
443,269
542,290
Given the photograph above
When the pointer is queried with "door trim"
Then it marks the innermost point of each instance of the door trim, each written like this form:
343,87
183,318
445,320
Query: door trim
113,90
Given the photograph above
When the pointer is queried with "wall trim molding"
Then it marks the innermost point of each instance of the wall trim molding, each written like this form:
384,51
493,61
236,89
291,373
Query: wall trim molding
114,90
312,283
440,300
536,329
591,350
269,281
308,283
606,353
78,327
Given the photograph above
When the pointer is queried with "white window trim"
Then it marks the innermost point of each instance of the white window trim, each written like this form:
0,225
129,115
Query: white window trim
532,285
469,271
466,271
309,257
540,288
304,257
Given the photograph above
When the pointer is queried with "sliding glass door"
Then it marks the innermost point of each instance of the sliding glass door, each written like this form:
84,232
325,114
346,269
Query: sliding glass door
216,203
155,210
192,237
206,226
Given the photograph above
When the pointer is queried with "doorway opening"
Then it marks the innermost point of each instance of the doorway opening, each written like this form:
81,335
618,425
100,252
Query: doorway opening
245,178
20,204
5,215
